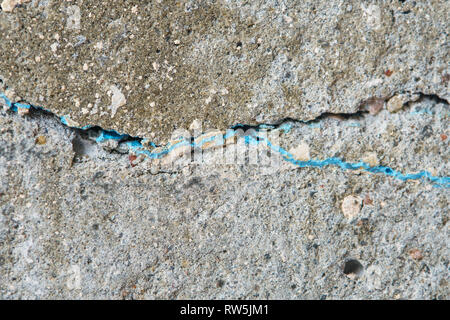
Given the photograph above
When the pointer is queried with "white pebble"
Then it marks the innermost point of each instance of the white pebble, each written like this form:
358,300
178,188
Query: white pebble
351,206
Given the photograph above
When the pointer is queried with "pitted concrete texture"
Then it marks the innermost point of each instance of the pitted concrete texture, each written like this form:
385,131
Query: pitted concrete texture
148,67
78,220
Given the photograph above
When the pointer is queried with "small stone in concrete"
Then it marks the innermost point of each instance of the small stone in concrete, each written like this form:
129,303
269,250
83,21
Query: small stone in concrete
397,102
416,254
351,206
41,140
301,152
371,159
117,100
9,5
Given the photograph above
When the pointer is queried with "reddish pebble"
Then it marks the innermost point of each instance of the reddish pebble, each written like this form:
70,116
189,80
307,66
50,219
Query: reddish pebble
367,200
375,105
388,73
416,254
443,136
132,157
445,78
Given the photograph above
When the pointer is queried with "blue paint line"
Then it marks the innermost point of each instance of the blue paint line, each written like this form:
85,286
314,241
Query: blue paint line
22,105
138,148
134,144
104,134
421,112
315,125
439,181
354,124
64,121
286,127
147,142
254,140
111,135
237,126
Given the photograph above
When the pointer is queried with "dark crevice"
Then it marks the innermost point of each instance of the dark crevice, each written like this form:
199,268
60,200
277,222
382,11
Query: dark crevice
363,110
353,267
433,97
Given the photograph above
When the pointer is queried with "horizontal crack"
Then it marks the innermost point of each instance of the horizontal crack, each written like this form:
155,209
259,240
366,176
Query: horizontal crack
135,144
106,134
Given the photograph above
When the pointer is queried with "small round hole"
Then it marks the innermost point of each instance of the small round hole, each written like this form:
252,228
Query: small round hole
353,268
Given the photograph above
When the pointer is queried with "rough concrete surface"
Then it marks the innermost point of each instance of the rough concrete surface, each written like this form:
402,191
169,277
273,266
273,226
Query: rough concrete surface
82,221
343,196
149,67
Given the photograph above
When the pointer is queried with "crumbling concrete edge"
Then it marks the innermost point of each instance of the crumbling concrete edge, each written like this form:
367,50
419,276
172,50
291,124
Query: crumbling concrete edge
136,144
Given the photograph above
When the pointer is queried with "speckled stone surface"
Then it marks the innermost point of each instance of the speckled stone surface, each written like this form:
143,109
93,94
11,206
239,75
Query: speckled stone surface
81,220
346,197
148,67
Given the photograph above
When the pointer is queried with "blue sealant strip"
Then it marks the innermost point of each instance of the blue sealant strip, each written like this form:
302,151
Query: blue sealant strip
138,148
104,134
111,135
421,112
438,181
